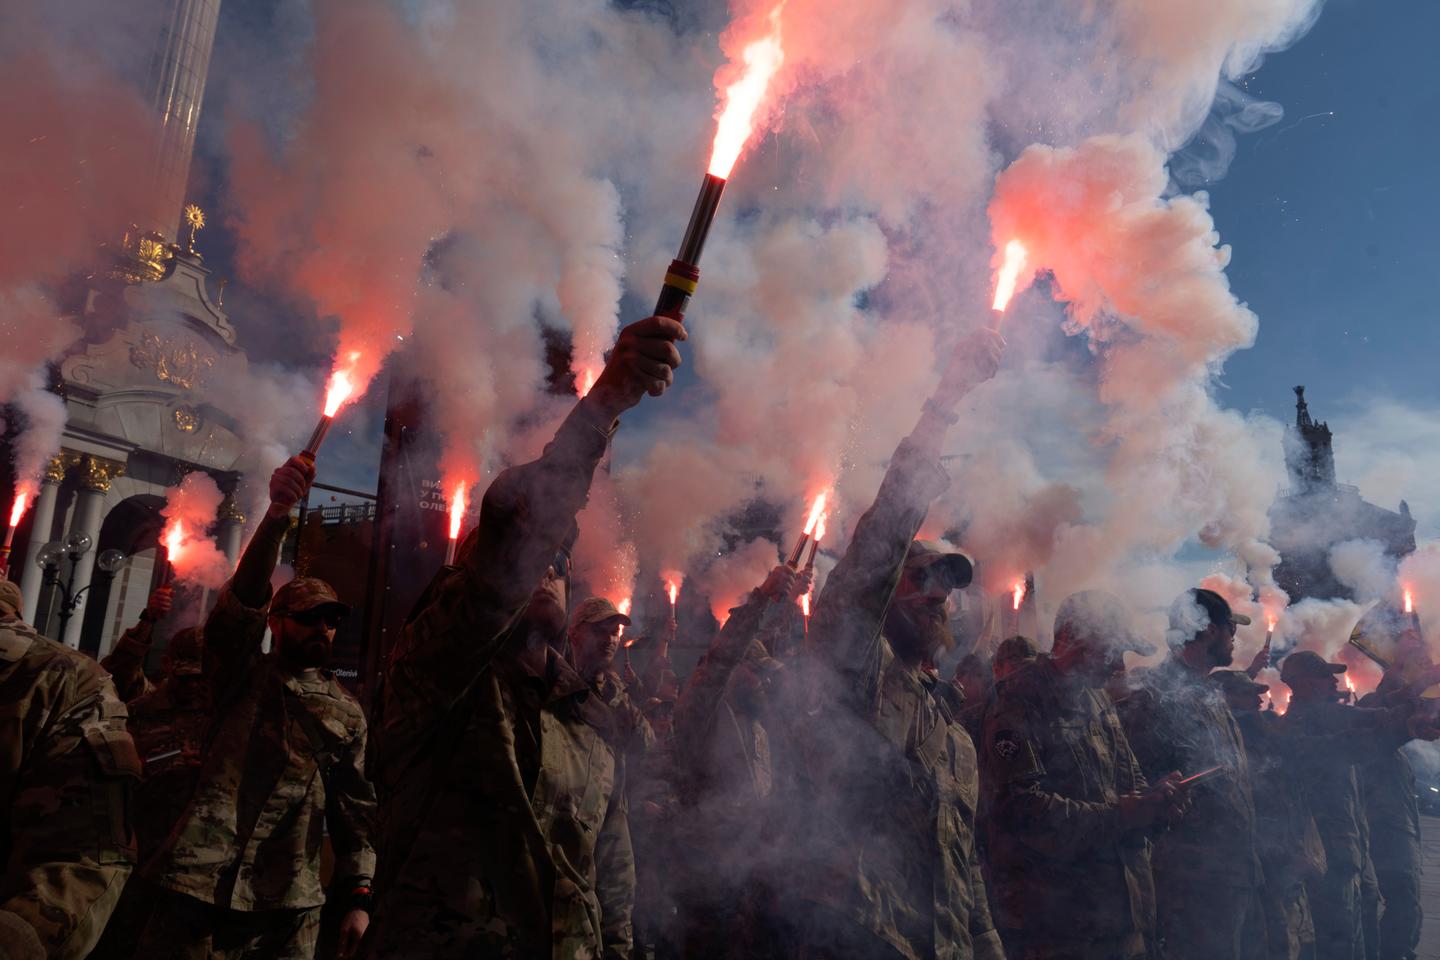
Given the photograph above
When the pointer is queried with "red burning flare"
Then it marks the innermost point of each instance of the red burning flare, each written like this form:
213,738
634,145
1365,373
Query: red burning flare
817,510
1012,269
1017,594
736,122
805,605
584,381
22,503
1409,597
457,510
341,384
672,590
1270,622
624,607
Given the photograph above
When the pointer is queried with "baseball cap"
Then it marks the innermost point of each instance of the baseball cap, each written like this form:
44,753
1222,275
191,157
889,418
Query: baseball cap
1099,615
304,594
1238,681
10,599
1012,654
1306,664
1214,607
597,610
951,568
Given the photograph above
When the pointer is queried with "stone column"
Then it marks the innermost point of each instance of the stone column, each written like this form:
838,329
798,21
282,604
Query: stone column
41,524
96,475
231,526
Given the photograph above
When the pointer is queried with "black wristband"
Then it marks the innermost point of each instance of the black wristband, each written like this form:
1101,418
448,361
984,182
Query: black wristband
362,901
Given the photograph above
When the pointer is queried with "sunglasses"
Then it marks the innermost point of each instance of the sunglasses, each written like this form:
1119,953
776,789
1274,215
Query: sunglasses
330,617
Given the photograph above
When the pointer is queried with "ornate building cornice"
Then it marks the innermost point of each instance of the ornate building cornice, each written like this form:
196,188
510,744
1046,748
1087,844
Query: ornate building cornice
97,473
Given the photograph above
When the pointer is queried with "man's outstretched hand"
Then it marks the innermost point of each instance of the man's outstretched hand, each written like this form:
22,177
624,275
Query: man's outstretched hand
288,485
975,360
643,361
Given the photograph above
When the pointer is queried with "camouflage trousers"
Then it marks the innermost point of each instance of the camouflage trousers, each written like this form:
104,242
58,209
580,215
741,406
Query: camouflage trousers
1020,946
183,928
1335,904
1401,915
1203,921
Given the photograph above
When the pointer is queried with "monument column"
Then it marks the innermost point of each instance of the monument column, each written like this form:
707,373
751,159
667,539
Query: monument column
41,523
232,525
96,475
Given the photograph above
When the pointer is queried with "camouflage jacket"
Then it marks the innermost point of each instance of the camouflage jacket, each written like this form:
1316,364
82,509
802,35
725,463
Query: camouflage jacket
1176,720
1287,839
504,830
126,663
66,769
284,764
1334,738
1056,761
170,739
1387,784
891,786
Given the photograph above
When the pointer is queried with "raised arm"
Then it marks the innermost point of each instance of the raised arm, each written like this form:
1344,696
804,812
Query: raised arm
705,690
851,609
525,517
126,663
236,624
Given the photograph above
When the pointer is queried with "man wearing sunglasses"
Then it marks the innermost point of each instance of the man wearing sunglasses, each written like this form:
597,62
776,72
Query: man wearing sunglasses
1207,869
503,833
241,869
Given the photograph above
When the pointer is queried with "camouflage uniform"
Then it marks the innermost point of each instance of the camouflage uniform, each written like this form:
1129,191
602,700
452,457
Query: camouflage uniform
169,729
66,769
1069,879
1339,737
284,765
1291,851
887,827
725,777
1207,874
126,663
1388,787
471,736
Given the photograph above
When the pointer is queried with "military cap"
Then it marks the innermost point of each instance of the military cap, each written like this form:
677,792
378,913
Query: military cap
185,651
1213,609
1099,615
304,594
597,610
10,599
1238,681
1307,664
950,567
1011,655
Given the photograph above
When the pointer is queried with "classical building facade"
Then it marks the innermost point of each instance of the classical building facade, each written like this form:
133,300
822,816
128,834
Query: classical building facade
140,385
1316,513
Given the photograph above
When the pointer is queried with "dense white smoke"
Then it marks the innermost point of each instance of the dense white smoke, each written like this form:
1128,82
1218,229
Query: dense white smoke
191,508
415,193
77,149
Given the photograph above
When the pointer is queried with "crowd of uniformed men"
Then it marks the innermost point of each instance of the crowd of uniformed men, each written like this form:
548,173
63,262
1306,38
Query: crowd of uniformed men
819,794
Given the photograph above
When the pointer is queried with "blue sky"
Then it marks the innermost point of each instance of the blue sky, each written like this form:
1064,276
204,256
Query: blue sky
1329,215
1332,217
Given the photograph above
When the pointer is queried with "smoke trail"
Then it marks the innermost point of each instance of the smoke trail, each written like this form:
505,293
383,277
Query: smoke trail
191,508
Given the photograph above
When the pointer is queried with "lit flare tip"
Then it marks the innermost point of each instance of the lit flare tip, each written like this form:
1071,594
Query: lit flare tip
457,510
17,511
762,58
1409,596
1017,594
341,385
1007,280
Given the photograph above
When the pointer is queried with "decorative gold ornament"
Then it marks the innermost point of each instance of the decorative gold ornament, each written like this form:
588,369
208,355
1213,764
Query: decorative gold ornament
174,361
195,218
143,257
230,511
97,473
59,464
186,419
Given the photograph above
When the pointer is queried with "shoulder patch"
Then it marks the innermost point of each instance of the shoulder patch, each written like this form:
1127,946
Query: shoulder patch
1007,745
